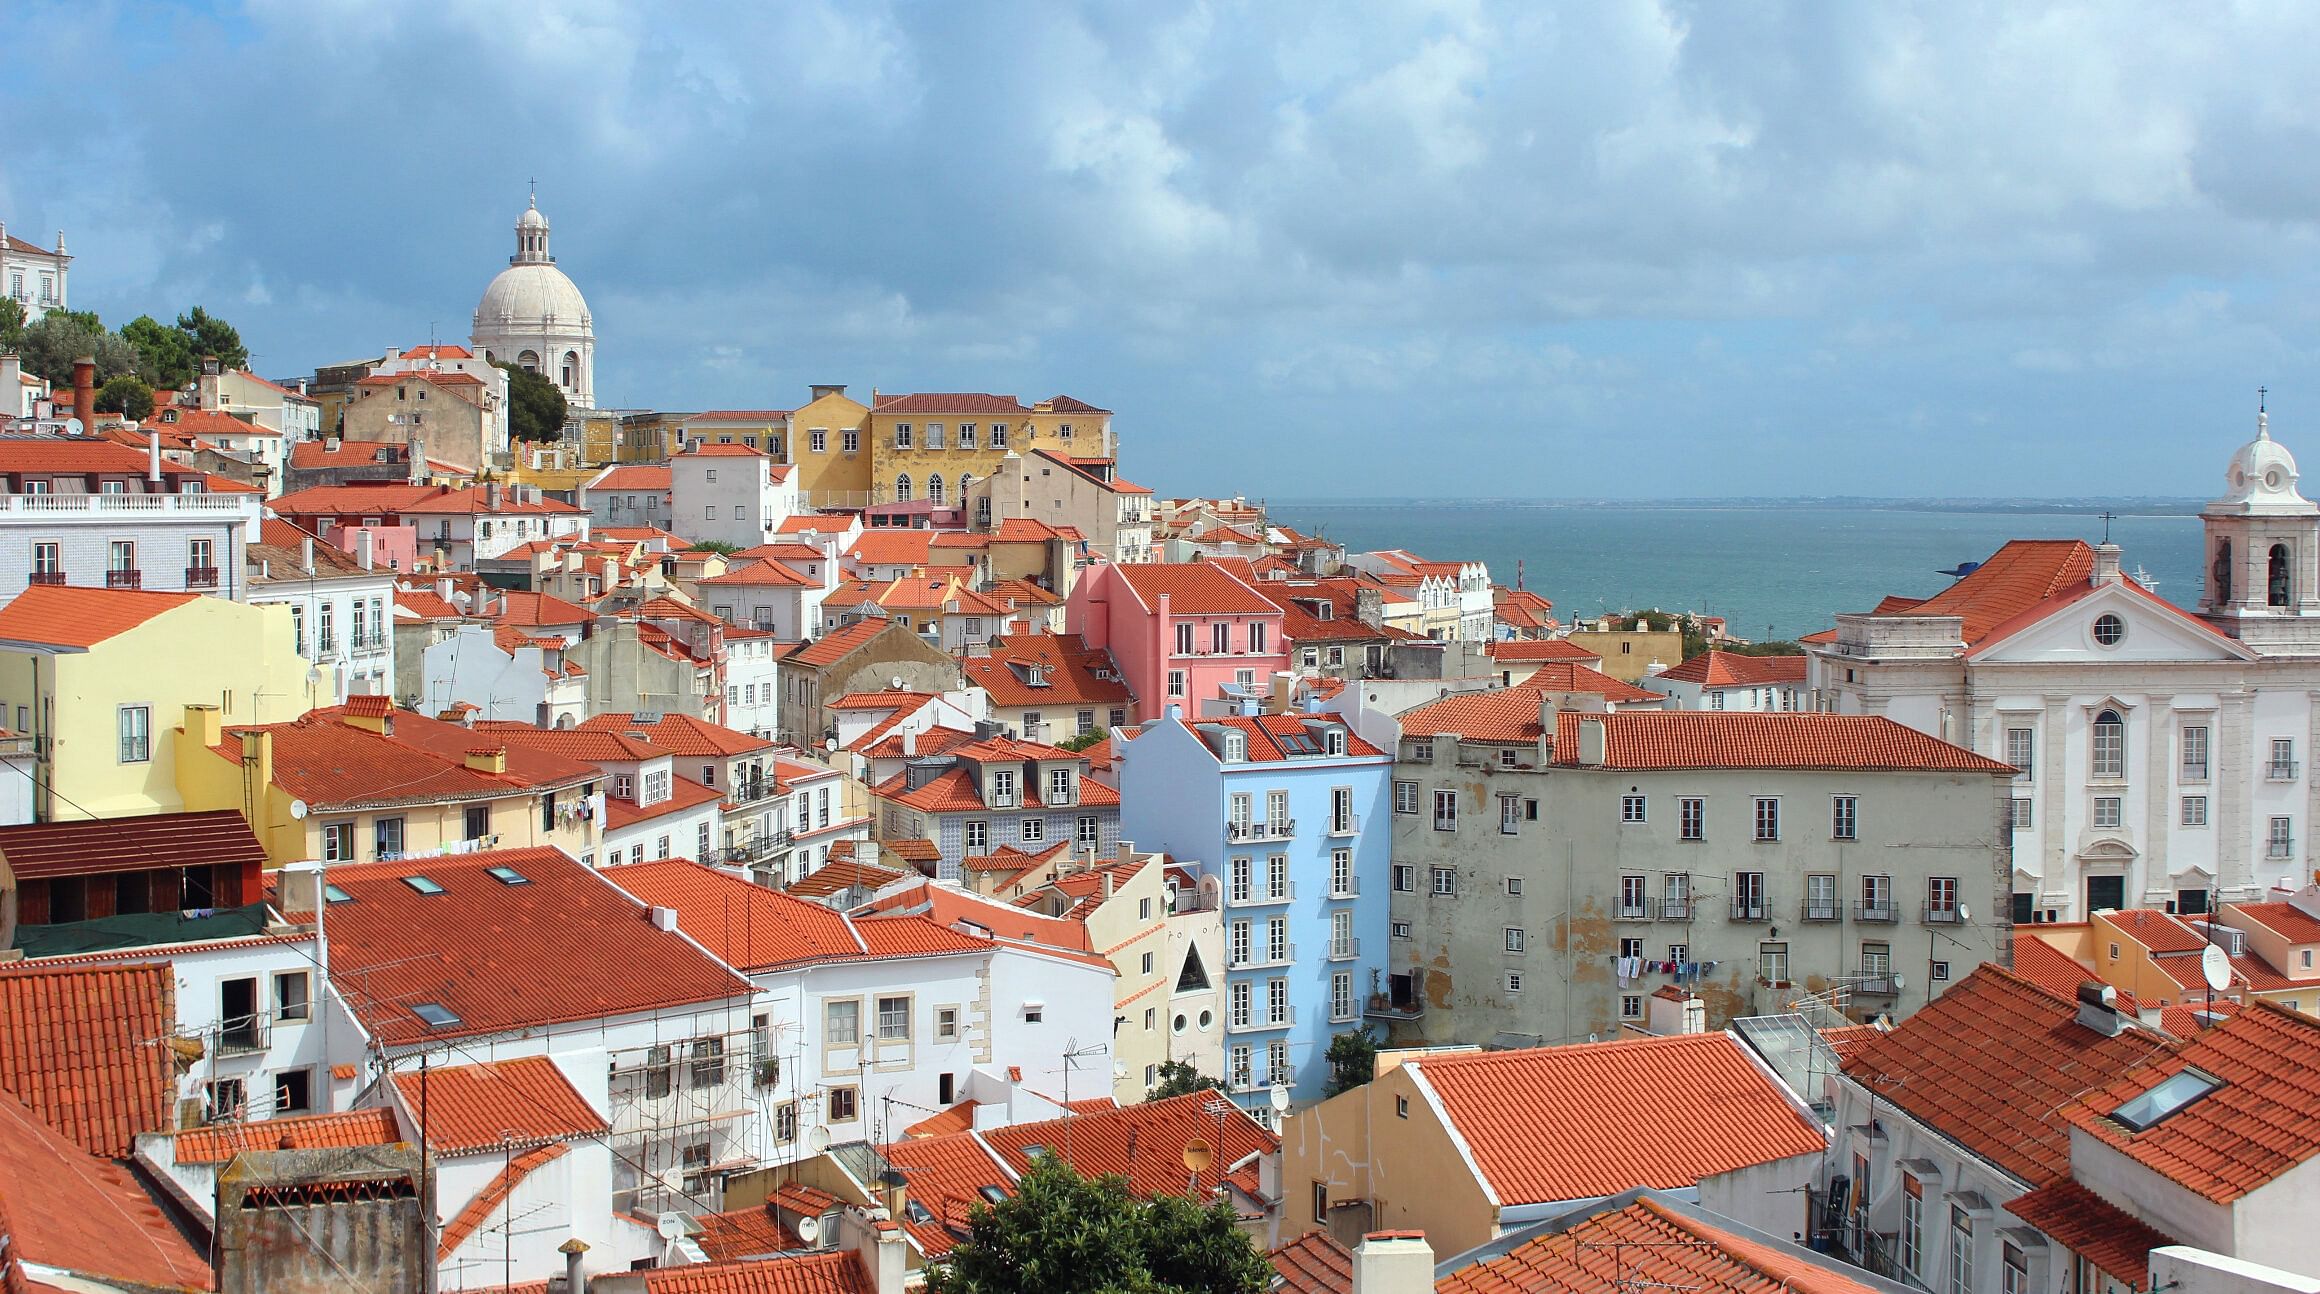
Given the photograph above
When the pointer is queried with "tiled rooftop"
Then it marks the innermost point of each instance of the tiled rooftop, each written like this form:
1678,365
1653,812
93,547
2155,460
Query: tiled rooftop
1656,739
2092,1227
483,1106
219,1142
86,1048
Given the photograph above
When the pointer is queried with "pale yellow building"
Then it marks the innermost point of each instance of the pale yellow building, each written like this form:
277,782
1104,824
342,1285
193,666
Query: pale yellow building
1629,654
936,445
95,676
1124,904
829,446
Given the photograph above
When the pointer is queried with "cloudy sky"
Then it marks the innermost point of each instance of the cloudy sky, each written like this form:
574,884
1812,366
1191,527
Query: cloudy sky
1585,249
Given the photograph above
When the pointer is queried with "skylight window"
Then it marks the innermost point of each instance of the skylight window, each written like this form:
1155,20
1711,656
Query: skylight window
507,876
435,1015
333,894
422,884
2164,1100
992,1194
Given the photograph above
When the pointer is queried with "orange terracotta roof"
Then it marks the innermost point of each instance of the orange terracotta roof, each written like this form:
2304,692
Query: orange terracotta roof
945,1175
1565,1123
329,763
822,1271
957,791
1571,676
839,875
1502,715
475,948
958,1118
2058,972
86,1049
1025,593
220,1142
1145,1143
882,742
953,907
1649,1244
685,795
1269,735
1714,668
1649,739
2021,574
1009,859
1313,1263
891,546
682,734
914,936
1065,665
65,1208
2262,1121
912,849
2092,1227
493,1197
745,1233
940,402
767,573
1194,588
536,609
836,645
140,843
744,925
2286,920
1990,1063
474,1107
55,615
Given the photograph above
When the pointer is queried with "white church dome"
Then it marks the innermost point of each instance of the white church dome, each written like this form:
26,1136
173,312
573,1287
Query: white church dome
2262,477
532,315
535,295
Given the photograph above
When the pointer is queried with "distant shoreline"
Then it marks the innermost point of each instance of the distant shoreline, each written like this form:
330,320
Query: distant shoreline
2005,507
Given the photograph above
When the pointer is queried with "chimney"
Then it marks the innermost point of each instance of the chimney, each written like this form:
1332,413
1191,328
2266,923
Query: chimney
2106,564
153,462
203,724
1393,1262
11,383
492,759
306,554
1284,688
662,918
910,743
258,757
368,547
2149,1014
1591,742
880,1245
893,1192
491,496
85,392
575,1280
1108,882
209,383
822,391
2098,1009
1548,721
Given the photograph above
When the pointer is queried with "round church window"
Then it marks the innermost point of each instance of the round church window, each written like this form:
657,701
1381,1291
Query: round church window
2109,629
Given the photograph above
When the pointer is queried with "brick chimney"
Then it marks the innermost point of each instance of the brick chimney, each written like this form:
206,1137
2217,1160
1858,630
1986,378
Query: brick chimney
85,392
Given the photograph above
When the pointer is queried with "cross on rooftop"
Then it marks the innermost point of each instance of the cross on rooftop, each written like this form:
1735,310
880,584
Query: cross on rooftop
2261,394
2107,519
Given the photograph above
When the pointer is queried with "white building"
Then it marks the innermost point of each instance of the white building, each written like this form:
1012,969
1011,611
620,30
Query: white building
752,681
506,674
340,608
2162,753
730,494
32,275
1721,680
781,594
534,317
95,513
628,494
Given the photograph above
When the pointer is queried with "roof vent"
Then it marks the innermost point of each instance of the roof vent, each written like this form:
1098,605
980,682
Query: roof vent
662,918
422,884
2098,1009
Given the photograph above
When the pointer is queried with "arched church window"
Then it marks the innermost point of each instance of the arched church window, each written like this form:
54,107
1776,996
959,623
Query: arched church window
934,489
2110,745
529,361
571,369
902,488
2222,573
2277,585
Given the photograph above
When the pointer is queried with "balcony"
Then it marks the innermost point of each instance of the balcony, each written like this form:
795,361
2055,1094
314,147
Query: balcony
1243,832
1343,1013
201,577
1876,984
2280,771
1348,887
1345,825
124,579
1823,910
1942,914
1675,910
1345,950
242,1036
1750,909
1632,910
1388,1006
1876,910
1281,956
116,508
2280,848
1284,893
45,577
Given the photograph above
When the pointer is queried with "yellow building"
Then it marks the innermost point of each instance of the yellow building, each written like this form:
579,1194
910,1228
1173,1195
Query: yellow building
1629,654
365,782
828,447
94,676
933,445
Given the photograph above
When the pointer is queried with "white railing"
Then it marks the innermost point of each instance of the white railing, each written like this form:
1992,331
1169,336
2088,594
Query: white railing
51,505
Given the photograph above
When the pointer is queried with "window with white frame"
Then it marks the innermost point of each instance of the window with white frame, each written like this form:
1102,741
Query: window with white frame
1445,810
1768,817
2195,753
1405,797
1512,938
2194,810
1961,1251
135,723
1445,880
1631,808
2019,813
2107,811
1692,818
1845,817
2108,746
2022,752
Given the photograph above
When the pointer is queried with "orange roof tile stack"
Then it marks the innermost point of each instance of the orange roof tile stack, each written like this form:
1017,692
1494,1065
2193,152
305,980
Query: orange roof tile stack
1650,739
744,925
86,1050
1651,1244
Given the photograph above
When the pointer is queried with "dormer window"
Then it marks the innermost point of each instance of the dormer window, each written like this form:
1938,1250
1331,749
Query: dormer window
1334,741
1059,787
1236,747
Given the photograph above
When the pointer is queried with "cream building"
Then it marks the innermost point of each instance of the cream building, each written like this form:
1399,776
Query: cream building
2161,753
32,275
533,316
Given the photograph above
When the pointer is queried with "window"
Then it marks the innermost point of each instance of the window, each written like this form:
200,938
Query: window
1277,1064
1768,817
1059,786
659,1073
946,1023
1220,638
1961,1240
1405,797
1088,832
1509,815
978,835
325,634
1321,1202
1514,887
1676,896
2014,1276
1257,646
1176,682
1748,896
1276,1001
292,999
2283,839
894,1019
1820,897
1845,818
1631,808
1002,788
2018,813
136,730
338,842
2107,811
1941,898
1240,1072
1912,1225
2022,752
293,1091
1341,873
1237,950
849,441
1399,930
1405,878
1277,940
708,1064
1513,938
842,1106
2109,629
1240,880
1632,897
2283,765
1445,880
1237,1009
121,557
902,436
818,440
45,560
1692,817
1631,1006
842,1023
1184,639
1032,830
478,822
1445,810
2109,748
1772,962
2195,753
2194,810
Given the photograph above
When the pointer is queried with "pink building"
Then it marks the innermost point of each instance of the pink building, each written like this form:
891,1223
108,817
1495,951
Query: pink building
1182,634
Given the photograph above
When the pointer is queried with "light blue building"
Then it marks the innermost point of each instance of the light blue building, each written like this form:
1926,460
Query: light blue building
1287,822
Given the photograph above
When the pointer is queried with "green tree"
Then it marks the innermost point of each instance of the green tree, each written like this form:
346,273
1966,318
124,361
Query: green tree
206,335
536,408
11,323
164,354
717,546
1060,1233
52,342
1179,1078
128,396
1082,740
1352,1060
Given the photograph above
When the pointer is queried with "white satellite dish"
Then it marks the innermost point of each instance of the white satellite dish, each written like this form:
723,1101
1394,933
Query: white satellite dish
298,809
808,1228
2215,964
819,1139
1899,983
671,1226
1965,915
1280,1099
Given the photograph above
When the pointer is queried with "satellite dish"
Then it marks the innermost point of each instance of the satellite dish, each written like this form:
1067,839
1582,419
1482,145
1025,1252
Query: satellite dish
1899,983
1197,1155
2215,964
830,743
1280,1099
808,1228
819,1139
73,427
1965,915
671,1226
298,809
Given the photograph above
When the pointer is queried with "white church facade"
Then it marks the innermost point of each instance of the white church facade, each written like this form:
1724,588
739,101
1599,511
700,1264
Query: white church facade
533,316
2164,755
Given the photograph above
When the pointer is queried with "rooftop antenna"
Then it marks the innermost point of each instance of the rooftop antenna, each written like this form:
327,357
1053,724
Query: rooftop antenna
2107,519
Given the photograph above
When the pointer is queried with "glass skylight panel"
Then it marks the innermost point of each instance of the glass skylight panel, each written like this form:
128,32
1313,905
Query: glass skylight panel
422,884
507,876
434,1015
333,894
2166,1098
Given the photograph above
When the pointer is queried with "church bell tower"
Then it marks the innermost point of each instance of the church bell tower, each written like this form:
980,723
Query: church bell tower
2262,560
